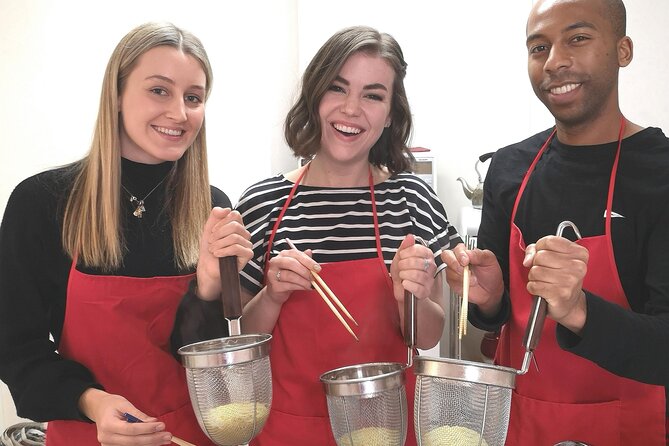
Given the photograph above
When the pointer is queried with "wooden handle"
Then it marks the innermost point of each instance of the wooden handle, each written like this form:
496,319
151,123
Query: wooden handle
230,291
181,442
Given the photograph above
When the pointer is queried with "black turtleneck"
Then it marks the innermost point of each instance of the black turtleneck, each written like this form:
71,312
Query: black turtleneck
34,273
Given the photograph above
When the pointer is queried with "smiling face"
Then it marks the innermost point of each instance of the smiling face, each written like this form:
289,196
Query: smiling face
161,106
573,60
355,109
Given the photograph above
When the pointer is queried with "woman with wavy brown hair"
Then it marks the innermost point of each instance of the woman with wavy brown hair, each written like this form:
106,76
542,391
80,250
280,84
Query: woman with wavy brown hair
353,214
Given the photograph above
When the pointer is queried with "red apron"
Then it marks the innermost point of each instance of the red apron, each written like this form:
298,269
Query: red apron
571,398
309,340
119,328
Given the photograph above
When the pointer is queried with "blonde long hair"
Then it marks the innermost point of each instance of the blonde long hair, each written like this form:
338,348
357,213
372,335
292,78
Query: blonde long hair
92,221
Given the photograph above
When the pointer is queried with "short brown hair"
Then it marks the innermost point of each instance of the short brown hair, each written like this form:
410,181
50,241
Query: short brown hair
302,127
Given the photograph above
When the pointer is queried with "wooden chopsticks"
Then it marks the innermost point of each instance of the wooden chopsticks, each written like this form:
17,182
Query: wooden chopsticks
462,328
181,442
327,294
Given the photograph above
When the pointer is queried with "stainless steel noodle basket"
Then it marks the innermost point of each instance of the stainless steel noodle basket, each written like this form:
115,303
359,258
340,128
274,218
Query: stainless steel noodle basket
461,403
367,404
230,386
467,403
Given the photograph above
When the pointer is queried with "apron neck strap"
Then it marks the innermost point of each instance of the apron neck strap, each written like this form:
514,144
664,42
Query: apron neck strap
293,190
612,180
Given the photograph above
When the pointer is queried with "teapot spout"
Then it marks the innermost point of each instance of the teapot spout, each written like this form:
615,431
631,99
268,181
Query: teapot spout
468,190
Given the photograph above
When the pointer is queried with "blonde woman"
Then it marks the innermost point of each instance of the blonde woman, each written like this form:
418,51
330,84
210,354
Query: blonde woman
98,254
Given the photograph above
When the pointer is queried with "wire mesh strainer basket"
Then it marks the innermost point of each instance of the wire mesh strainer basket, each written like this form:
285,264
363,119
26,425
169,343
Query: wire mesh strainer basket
230,386
367,404
461,403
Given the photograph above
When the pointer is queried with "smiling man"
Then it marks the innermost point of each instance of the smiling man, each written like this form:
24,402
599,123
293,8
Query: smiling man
603,361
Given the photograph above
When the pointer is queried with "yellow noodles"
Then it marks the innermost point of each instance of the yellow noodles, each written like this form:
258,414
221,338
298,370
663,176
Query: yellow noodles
370,436
452,435
232,424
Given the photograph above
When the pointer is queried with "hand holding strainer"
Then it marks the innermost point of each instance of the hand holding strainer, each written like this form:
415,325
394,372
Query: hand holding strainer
467,403
229,379
538,313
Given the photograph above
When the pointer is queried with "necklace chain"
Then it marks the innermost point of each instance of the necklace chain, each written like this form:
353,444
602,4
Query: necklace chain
139,204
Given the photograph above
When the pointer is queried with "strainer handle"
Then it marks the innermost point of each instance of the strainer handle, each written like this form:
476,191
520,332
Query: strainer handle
538,313
533,330
230,291
410,318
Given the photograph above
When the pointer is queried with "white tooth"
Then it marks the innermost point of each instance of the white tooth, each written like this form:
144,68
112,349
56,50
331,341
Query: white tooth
564,89
169,131
346,129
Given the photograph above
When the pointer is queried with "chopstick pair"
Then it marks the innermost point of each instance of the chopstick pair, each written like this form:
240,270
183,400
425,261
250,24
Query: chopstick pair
462,326
327,294
133,419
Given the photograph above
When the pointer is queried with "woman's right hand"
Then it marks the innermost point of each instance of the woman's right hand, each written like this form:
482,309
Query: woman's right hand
107,410
224,235
289,271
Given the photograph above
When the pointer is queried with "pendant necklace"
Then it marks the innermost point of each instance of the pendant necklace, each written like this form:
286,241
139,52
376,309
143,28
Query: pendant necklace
139,204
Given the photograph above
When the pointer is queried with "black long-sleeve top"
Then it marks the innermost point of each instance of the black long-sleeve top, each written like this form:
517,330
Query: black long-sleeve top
571,183
34,273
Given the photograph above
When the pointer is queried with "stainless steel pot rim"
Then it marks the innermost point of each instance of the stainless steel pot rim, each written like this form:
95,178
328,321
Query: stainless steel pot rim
363,379
469,371
225,351
27,433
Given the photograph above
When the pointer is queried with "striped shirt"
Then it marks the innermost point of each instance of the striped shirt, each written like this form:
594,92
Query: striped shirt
337,223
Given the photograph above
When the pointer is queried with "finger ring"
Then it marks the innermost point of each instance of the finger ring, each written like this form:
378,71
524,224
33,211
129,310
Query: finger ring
278,275
426,264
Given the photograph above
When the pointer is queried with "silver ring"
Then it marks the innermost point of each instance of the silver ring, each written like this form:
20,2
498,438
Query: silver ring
426,264
278,275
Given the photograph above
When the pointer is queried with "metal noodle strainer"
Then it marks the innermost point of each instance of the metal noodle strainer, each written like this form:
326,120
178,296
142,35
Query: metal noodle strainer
466,403
229,379
367,404
461,403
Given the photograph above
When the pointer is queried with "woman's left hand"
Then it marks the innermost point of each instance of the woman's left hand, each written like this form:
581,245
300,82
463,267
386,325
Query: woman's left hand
413,270
224,235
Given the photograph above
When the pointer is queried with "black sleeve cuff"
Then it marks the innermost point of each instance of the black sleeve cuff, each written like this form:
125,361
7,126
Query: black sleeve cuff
197,320
494,323
578,344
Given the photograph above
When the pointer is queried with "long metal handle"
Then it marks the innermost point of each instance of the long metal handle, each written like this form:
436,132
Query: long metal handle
538,314
231,293
410,319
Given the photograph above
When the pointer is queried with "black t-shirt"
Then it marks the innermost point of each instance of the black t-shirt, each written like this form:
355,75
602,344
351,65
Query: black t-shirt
571,183
34,272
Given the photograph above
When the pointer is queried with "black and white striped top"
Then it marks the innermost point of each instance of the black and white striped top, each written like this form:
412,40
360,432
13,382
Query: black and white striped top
337,223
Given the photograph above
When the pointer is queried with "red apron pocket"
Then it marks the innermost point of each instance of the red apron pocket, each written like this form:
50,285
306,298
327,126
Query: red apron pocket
547,423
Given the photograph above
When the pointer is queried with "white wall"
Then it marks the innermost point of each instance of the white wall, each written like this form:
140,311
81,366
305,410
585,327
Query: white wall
466,80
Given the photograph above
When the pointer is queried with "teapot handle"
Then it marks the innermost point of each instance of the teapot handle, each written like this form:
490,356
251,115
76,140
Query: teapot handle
486,156
482,159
